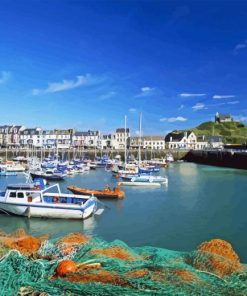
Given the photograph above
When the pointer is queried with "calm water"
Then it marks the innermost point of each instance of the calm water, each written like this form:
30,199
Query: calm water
199,203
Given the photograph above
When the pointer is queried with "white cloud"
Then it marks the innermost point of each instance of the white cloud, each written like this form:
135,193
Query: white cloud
223,96
4,77
132,110
191,95
173,119
233,102
240,118
240,46
199,106
145,91
107,95
65,85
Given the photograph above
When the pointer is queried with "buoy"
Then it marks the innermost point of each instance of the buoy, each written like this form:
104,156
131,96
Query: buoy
66,266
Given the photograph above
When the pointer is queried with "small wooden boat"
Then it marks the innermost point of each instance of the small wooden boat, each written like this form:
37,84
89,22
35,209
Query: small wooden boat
106,193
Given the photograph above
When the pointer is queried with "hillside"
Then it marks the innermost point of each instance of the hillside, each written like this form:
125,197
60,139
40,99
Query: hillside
232,132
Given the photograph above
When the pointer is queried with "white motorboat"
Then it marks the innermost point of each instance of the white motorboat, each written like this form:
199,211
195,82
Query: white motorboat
169,157
11,166
35,200
139,184
146,179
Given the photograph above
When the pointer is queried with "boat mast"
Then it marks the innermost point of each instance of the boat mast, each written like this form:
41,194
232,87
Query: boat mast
125,142
57,144
140,128
6,151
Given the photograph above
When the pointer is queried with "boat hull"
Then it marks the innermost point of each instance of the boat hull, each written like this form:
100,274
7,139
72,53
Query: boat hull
49,211
50,178
98,194
140,184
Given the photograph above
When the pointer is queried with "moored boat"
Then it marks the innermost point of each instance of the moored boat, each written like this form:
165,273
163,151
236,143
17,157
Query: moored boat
11,166
35,200
139,184
48,175
5,173
106,193
146,178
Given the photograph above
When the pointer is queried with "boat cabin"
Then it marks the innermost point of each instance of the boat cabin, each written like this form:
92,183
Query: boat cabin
21,194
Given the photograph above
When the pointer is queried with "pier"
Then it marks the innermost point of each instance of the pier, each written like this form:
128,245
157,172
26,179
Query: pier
91,153
224,158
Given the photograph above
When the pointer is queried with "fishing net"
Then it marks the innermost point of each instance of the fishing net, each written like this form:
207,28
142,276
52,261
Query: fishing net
80,265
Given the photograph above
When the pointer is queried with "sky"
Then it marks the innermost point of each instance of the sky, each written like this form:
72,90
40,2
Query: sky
87,64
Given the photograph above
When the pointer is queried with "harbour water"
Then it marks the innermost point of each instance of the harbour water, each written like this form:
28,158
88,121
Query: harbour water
199,203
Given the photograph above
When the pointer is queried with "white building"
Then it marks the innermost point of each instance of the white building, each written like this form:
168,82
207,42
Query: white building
31,137
147,142
60,139
215,142
10,135
153,142
106,141
91,139
223,118
121,138
78,140
184,140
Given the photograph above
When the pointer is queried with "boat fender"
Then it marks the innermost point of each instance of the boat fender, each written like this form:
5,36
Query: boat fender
29,198
55,199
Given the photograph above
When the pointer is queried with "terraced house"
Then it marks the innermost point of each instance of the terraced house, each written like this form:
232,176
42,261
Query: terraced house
57,138
31,137
147,142
10,135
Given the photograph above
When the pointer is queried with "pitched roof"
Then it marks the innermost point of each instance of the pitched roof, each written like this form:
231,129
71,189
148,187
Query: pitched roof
153,138
122,130
223,116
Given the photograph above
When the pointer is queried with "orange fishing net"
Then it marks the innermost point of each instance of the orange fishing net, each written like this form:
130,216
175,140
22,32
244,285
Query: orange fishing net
175,276
74,238
135,274
70,243
220,247
21,241
100,276
216,256
114,252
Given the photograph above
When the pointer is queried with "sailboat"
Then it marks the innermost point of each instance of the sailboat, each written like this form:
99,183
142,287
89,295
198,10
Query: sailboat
127,168
140,179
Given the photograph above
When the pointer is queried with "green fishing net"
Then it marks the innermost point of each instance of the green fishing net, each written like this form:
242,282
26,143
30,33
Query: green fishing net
213,269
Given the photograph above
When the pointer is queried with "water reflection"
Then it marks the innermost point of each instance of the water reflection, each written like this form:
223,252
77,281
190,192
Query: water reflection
53,227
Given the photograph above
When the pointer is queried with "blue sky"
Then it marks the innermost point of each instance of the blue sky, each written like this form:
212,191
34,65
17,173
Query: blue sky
86,64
